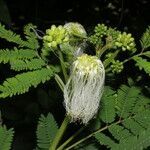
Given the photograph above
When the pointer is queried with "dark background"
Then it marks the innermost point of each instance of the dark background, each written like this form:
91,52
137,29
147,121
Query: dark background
22,112
123,14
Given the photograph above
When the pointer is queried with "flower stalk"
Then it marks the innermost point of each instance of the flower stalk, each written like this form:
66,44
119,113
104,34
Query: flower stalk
60,133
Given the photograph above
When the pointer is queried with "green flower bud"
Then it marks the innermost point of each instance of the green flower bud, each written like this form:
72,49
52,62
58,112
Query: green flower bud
125,41
100,30
75,29
55,36
116,66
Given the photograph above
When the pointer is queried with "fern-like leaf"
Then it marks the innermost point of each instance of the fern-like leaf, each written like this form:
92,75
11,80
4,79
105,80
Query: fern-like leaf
133,126
31,36
133,123
6,137
10,55
32,64
126,99
22,82
107,110
141,104
139,142
147,54
119,132
46,131
104,140
143,118
13,37
145,40
142,64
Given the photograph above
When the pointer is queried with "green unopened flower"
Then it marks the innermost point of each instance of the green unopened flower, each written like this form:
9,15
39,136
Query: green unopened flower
100,30
125,41
84,89
117,66
55,36
75,29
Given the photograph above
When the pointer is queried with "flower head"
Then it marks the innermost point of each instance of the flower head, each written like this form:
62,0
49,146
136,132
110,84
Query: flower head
75,29
116,66
55,36
84,89
125,41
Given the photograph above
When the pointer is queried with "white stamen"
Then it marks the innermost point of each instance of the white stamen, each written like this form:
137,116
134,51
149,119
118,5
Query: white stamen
84,89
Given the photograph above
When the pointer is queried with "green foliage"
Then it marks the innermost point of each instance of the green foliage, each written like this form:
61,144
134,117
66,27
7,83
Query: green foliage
133,126
131,130
26,58
32,64
46,130
29,31
7,55
142,63
86,146
13,37
22,82
104,140
147,54
107,109
6,137
135,142
145,39
119,132
124,113
126,99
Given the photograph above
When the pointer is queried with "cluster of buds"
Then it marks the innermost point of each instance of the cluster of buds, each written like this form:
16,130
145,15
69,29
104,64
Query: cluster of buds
83,91
116,66
125,41
100,30
55,36
58,35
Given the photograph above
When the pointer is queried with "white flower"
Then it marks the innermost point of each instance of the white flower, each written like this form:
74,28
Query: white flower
84,89
75,29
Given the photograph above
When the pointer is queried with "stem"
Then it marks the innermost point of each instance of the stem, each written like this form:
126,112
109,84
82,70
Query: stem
71,138
59,82
59,134
126,60
108,45
66,121
90,135
63,65
109,60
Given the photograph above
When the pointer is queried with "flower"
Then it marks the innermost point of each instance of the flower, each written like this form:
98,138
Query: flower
100,30
56,36
116,66
75,29
125,41
84,89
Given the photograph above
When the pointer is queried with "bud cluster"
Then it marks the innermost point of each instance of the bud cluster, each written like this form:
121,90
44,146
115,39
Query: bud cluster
55,36
116,66
99,31
125,41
